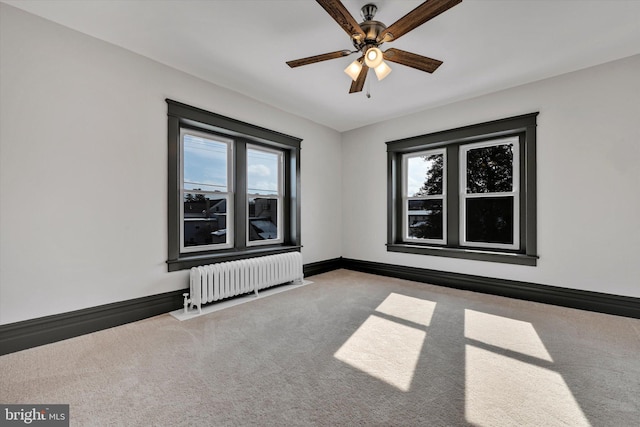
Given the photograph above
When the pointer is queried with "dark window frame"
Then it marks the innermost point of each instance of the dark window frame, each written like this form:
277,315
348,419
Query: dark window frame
184,116
523,126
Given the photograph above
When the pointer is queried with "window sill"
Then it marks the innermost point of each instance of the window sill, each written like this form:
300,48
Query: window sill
187,261
472,254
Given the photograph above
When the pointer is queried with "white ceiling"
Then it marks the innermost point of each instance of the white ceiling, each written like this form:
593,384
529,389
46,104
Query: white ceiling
486,45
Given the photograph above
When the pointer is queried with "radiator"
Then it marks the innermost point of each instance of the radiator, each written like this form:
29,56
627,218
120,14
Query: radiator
214,282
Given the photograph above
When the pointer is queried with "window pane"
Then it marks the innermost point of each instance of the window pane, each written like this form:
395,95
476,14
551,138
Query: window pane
262,172
490,169
205,164
489,220
205,219
425,219
263,219
424,175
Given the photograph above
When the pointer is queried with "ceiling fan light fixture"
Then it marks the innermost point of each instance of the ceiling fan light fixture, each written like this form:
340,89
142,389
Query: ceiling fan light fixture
368,35
382,70
373,57
353,70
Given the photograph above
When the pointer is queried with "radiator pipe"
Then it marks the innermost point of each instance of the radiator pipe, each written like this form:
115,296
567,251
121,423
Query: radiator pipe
186,302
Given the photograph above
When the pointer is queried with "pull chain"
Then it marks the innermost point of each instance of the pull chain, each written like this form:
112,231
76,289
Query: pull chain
368,88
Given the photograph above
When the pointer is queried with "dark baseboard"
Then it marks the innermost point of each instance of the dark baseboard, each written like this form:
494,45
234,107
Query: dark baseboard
572,298
44,330
322,266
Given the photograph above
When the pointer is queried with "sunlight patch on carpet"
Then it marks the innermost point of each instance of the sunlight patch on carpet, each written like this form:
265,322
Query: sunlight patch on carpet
388,348
502,390
505,333
413,309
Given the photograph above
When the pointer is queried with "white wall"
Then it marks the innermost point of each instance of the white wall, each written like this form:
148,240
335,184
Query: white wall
83,169
588,167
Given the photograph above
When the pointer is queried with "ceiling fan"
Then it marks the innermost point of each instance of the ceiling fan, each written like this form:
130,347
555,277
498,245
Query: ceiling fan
368,36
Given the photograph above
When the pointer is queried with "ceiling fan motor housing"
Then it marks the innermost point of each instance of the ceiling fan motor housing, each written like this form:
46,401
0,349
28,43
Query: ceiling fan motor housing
371,30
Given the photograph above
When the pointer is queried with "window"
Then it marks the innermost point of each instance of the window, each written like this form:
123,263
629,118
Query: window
489,198
424,197
264,195
206,191
466,193
233,189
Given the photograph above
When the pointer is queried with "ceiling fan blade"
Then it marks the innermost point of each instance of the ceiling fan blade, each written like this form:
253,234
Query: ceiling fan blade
318,58
413,60
341,15
418,16
358,84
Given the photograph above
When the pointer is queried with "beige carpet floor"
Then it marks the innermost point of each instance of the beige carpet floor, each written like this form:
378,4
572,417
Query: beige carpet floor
349,349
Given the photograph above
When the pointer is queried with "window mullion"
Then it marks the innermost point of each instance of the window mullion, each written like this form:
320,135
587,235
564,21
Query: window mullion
453,201
480,195
240,194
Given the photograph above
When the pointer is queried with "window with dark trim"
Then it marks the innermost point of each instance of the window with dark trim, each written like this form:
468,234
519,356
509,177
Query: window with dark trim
233,190
466,193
